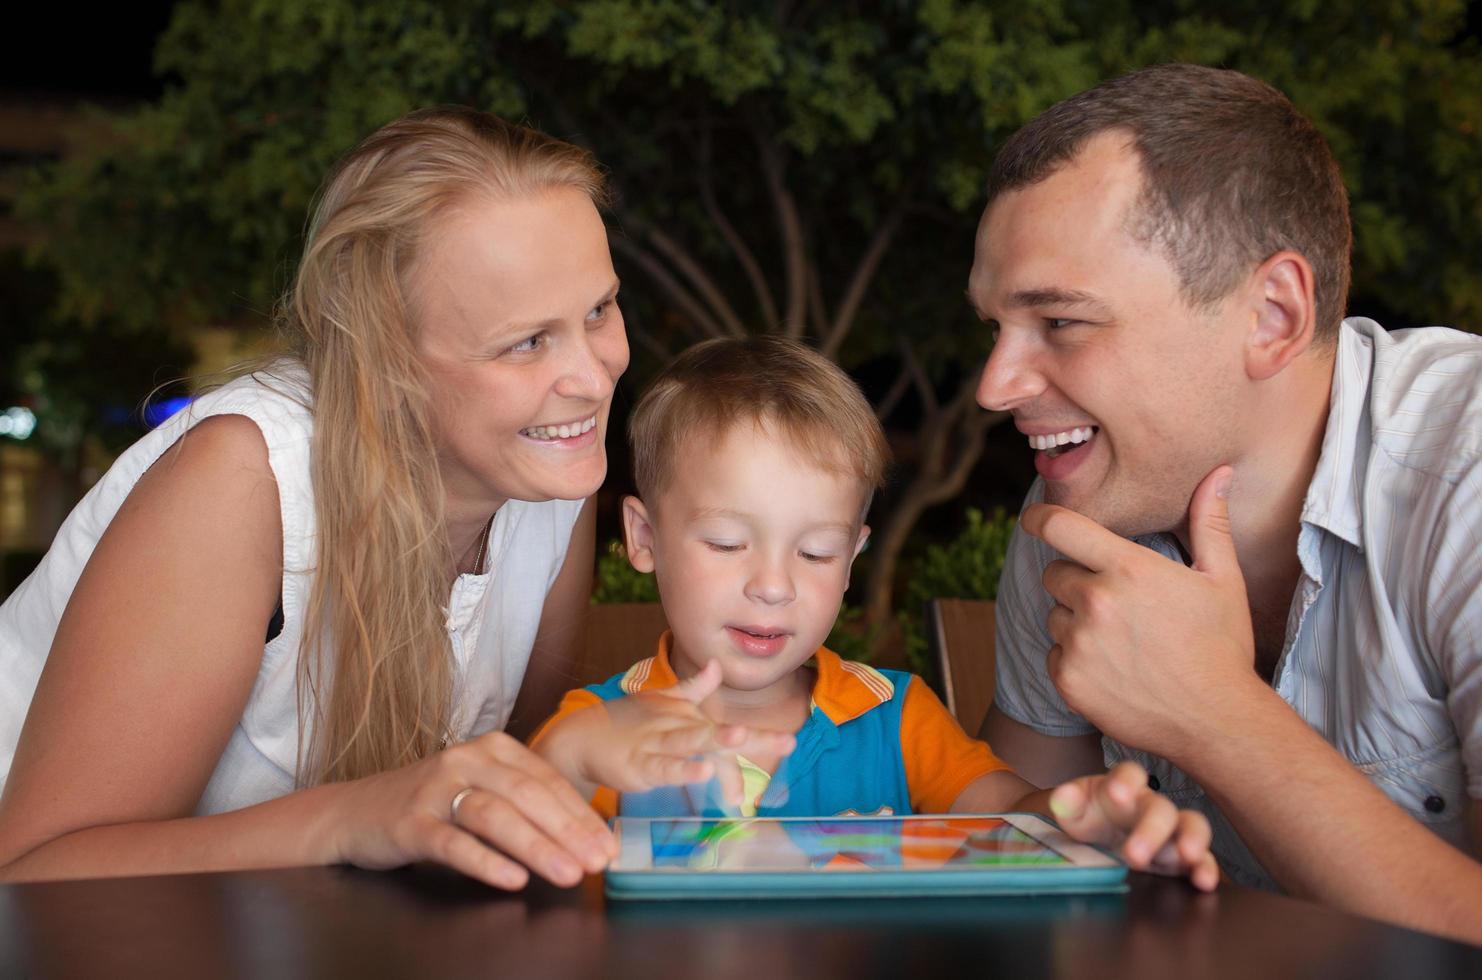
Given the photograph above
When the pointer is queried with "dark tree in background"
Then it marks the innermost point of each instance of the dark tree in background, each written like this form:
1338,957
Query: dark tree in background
813,169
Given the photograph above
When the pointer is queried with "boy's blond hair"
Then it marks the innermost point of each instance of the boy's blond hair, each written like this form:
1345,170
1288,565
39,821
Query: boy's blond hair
717,384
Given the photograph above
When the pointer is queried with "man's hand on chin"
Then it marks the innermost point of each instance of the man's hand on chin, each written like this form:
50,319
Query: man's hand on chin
1152,652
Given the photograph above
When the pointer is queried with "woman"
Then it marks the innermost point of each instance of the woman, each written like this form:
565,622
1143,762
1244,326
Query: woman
397,507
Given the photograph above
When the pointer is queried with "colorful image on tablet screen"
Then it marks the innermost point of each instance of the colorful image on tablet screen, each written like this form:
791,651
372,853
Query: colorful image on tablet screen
940,842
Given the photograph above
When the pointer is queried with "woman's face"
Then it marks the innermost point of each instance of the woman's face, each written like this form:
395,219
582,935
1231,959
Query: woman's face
515,304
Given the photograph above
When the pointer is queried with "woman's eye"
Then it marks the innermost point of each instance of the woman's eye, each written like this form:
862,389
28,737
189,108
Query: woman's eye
528,345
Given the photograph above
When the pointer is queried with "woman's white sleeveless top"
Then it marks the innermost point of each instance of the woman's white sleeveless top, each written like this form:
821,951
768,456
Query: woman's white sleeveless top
491,618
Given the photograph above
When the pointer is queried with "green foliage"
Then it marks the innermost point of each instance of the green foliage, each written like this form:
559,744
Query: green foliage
852,638
967,567
204,192
619,581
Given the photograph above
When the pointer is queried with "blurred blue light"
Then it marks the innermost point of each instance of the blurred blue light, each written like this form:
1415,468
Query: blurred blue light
161,410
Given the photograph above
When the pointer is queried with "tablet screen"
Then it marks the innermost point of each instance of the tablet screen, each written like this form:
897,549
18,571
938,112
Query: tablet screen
846,845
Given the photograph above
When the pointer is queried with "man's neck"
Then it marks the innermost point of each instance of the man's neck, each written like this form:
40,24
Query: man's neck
1272,477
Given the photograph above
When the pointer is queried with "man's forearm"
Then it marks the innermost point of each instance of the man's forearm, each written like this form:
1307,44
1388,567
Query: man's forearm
1320,826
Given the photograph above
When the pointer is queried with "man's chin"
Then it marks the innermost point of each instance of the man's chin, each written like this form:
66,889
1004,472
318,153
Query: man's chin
1103,509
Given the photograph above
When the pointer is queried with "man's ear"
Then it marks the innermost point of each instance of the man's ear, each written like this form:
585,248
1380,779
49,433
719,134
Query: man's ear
1285,314
864,535
638,534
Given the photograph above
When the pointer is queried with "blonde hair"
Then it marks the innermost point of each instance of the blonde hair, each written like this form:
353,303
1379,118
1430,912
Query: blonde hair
374,616
721,383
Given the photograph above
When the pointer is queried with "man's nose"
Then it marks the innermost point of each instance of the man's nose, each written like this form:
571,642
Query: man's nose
1009,377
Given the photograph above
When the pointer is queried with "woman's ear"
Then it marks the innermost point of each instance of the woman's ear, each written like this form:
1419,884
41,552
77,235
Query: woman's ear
638,534
1281,291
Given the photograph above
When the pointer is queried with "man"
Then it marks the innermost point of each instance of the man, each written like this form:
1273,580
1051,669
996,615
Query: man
1164,260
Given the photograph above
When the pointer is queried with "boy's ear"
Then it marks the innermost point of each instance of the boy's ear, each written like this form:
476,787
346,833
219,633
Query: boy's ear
1285,314
638,534
864,535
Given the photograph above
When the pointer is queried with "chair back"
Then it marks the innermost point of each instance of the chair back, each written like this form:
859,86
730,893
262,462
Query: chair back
617,636
959,633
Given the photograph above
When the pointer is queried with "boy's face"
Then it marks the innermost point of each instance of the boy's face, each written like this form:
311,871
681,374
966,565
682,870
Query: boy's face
751,543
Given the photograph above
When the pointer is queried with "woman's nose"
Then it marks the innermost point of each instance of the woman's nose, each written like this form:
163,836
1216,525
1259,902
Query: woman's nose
585,373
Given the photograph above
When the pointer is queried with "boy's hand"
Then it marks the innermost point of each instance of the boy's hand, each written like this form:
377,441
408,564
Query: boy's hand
664,738
1118,811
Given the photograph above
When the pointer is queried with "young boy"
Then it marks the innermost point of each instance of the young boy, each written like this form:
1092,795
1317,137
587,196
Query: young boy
755,460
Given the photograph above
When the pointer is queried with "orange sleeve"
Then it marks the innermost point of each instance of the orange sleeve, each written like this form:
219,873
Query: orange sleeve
604,800
940,758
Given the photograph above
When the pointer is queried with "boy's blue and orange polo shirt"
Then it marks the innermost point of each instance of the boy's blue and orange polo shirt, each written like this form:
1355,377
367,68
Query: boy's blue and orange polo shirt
877,741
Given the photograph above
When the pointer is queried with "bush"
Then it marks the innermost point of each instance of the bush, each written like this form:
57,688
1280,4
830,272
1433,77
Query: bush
968,567
618,581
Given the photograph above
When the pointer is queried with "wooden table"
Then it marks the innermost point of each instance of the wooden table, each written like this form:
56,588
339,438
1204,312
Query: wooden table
336,922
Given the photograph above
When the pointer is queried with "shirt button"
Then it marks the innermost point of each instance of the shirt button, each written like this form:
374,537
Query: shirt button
1154,785
1435,804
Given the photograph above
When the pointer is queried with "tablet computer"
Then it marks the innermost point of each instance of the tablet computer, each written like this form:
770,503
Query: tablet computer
815,857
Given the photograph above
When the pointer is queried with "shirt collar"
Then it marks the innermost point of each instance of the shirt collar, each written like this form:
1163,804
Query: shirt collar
844,689
1334,496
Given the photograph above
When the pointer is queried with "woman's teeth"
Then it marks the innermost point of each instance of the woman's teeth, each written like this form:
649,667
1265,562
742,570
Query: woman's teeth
559,431
1069,437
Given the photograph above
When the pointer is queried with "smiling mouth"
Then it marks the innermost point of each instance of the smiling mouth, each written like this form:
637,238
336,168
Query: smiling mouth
546,433
766,634
1055,443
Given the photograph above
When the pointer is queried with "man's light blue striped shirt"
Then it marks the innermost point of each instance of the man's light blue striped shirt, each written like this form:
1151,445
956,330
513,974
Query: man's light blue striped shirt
1383,651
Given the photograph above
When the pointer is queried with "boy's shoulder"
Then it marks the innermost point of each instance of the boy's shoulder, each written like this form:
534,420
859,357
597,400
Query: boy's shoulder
646,673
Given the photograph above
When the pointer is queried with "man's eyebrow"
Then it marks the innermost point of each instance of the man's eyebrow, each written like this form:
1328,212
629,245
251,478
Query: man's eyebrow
1026,298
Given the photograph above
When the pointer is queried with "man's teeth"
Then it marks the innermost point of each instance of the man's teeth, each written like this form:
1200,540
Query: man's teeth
559,431
1068,437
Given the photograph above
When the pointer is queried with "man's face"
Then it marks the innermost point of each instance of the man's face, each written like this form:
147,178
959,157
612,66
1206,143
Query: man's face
1097,353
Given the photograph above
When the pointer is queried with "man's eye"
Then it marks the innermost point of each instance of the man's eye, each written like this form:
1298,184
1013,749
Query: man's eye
528,345
599,311
1056,322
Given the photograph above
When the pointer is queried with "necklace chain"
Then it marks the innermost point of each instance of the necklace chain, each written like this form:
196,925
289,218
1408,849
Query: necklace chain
481,550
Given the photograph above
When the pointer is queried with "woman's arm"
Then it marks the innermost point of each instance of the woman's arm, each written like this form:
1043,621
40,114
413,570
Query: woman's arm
149,673
552,668
155,655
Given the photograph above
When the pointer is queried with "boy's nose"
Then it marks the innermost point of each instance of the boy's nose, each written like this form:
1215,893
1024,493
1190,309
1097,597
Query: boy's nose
771,584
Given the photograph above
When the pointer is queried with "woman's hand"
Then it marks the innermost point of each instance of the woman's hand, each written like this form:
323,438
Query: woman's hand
490,808
1118,810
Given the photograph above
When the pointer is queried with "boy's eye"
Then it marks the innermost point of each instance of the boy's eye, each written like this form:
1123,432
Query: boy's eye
816,559
722,547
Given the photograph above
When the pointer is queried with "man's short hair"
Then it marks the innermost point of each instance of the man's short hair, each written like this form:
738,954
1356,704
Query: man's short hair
718,384
1232,174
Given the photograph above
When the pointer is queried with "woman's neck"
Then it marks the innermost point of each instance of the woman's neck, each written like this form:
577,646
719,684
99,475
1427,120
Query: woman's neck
468,525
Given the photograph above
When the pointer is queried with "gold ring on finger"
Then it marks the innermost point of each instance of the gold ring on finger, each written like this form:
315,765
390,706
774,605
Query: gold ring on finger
458,799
